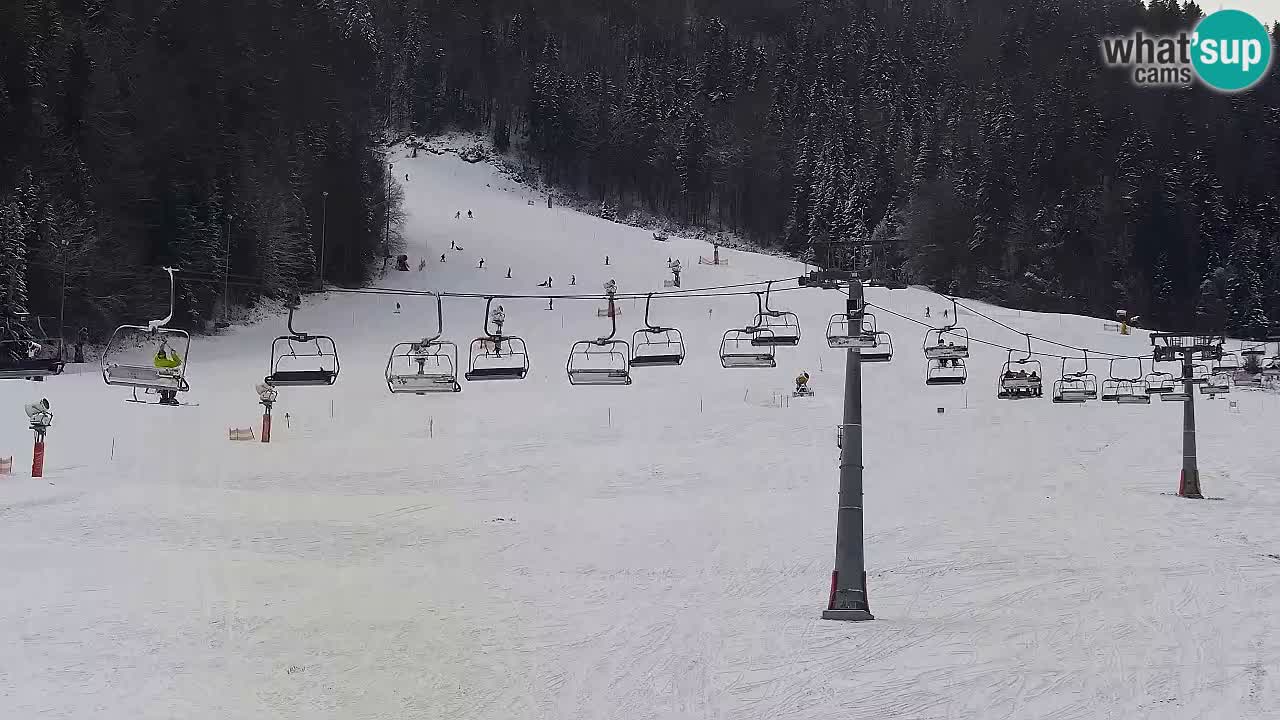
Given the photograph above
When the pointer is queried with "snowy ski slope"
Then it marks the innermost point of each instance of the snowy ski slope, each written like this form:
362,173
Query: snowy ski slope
659,551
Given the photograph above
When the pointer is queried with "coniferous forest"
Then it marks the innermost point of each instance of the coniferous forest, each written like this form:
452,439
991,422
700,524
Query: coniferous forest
984,138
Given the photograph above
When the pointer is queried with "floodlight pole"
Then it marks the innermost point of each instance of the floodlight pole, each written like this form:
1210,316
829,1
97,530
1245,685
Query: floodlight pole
848,599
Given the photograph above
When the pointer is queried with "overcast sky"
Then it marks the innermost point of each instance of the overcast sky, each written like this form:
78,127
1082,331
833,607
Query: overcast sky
1267,11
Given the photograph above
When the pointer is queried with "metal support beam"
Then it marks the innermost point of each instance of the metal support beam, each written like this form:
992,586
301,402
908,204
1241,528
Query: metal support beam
848,600
1189,483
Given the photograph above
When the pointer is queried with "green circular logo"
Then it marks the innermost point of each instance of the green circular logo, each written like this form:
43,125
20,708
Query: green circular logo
1231,50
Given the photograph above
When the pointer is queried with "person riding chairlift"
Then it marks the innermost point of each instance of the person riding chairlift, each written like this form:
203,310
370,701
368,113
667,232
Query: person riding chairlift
168,362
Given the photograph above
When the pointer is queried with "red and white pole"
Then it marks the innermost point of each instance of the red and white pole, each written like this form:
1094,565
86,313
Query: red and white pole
37,455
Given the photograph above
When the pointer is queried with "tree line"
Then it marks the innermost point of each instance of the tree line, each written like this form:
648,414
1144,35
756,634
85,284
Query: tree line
981,146
205,136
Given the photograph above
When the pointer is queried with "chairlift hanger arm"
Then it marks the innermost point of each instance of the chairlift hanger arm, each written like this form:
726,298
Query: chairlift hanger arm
173,295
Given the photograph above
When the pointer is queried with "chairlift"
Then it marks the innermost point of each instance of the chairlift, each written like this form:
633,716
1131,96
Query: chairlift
946,371
839,337
1199,374
1229,362
1160,383
602,361
496,356
949,341
1255,351
301,359
128,361
1076,387
783,326
426,366
739,349
1021,378
28,353
882,351
1127,390
1216,384
656,346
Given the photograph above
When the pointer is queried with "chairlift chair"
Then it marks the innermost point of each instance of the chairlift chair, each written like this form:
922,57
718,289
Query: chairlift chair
1133,392
1075,387
1160,383
654,345
1174,389
426,366
953,374
739,349
25,353
1229,362
1216,384
1199,374
602,361
1021,378
783,326
125,363
882,351
1125,389
301,359
1256,352
496,356
949,341
838,335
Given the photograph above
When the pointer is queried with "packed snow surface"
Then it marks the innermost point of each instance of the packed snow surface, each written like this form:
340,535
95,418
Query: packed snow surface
661,550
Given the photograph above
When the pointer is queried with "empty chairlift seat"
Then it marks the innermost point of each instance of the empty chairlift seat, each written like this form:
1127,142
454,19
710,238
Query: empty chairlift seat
739,349
599,362
301,359
839,336
783,327
654,345
882,351
26,352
